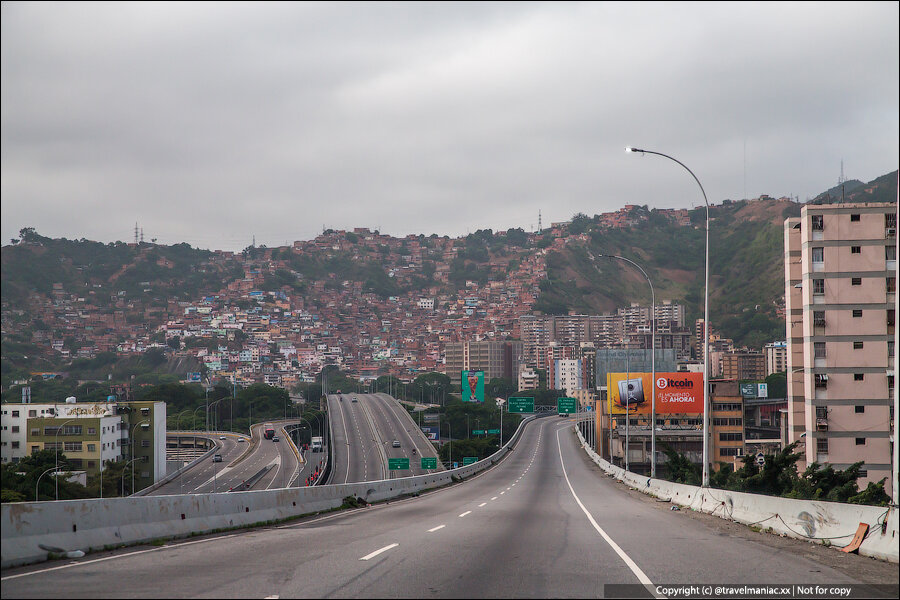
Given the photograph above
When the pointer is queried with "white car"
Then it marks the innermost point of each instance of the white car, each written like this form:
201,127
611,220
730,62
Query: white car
242,439
221,437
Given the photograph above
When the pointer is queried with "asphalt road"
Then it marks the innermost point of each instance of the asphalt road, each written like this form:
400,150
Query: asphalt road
240,461
545,522
364,432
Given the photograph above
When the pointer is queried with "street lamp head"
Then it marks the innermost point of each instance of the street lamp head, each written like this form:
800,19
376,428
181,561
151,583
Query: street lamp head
629,149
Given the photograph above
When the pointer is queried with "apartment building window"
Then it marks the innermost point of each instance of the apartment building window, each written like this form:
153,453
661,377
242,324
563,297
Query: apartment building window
856,281
855,249
730,437
890,349
92,431
821,412
819,318
819,286
818,254
857,312
819,349
32,413
35,431
863,472
15,429
145,443
92,447
14,444
860,441
857,345
822,445
890,317
818,222
890,225
890,284
859,376
730,452
858,409
15,413
726,406
73,446
854,218
890,252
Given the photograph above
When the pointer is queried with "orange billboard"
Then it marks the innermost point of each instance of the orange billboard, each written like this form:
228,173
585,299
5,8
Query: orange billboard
676,393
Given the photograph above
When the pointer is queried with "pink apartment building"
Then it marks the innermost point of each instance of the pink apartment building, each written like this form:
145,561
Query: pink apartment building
840,292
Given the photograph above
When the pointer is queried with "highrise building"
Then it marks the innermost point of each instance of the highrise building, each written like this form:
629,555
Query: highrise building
840,290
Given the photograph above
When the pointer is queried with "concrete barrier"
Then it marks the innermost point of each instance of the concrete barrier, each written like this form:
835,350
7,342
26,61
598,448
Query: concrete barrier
830,523
96,524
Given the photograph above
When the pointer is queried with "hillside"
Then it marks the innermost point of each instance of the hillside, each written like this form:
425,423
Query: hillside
76,300
746,268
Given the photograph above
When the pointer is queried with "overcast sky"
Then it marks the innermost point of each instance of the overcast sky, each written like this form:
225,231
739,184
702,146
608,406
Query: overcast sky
211,123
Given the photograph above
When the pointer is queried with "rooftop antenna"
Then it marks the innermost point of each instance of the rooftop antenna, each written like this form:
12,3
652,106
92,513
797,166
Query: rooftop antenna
142,235
135,233
540,227
842,180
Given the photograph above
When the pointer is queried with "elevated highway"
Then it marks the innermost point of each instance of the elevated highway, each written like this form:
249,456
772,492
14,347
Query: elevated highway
543,522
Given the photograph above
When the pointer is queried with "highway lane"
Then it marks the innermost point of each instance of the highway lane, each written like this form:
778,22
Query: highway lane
545,522
392,422
358,455
240,461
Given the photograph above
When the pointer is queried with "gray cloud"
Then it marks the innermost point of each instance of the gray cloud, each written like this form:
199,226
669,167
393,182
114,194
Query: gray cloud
209,123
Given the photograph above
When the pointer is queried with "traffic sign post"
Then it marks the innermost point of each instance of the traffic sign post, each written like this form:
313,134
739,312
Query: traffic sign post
761,459
493,431
521,405
565,405
429,463
398,464
478,432
468,460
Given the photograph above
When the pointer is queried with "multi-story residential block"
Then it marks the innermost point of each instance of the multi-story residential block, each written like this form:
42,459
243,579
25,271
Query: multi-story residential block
528,379
726,414
776,357
89,434
840,289
496,359
744,365
566,374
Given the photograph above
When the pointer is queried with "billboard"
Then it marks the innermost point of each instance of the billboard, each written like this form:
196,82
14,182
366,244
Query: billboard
430,432
472,385
676,393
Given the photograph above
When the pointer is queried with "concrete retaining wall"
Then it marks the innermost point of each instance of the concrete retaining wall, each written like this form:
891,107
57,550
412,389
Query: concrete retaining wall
832,523
95,524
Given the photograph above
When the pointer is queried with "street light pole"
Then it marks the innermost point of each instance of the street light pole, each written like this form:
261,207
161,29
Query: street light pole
133,429
705,480
652,363
39,481
56,448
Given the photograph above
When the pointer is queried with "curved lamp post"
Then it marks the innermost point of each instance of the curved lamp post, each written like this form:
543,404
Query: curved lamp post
652,362
39,481
56,449
133,429
705,481
132,476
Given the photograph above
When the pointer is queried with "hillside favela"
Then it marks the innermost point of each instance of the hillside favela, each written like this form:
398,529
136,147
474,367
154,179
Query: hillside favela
159,346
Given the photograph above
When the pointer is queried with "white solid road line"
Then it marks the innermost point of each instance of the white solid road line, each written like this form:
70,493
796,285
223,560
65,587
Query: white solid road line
377,552
642,577
433,529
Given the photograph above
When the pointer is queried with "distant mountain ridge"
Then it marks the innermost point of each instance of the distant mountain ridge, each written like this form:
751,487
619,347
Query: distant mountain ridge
141,285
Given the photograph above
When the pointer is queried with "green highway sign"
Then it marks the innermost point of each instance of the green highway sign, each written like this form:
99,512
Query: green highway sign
397,464
429,463
490,431
565,405
478,432
468,460
521,405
